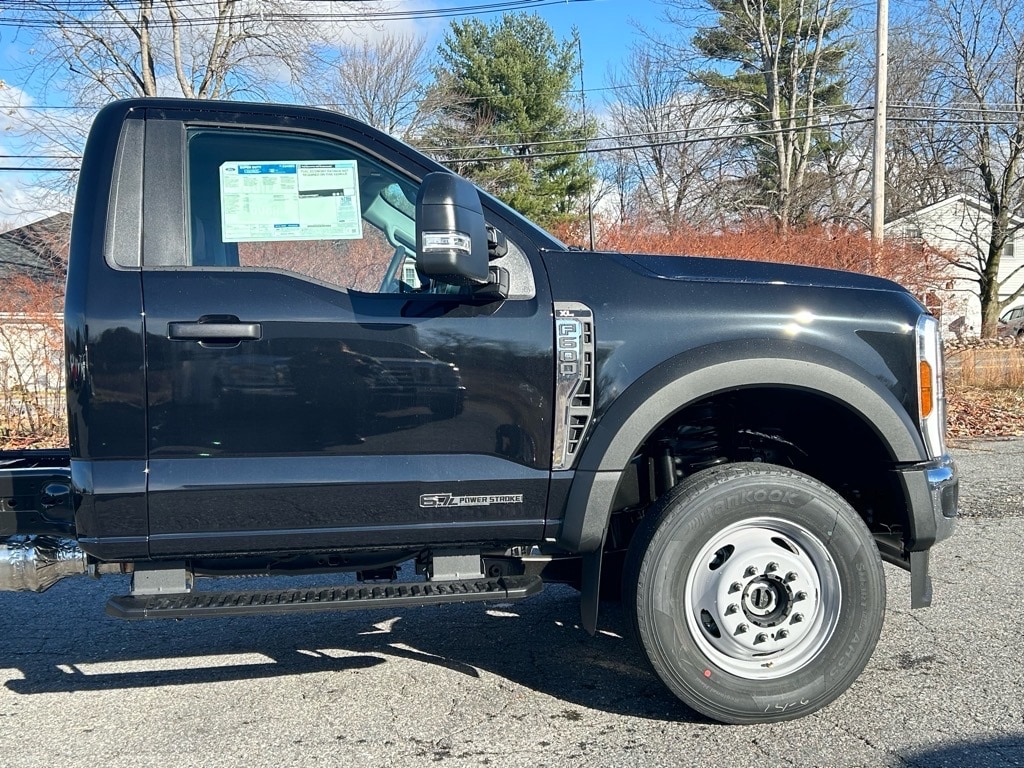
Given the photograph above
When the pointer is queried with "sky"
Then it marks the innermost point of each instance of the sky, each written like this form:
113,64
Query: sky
606,28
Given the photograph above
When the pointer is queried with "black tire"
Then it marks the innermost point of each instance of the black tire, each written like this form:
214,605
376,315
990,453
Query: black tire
756,593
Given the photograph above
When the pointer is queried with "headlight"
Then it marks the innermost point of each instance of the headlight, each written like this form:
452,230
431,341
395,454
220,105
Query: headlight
931,397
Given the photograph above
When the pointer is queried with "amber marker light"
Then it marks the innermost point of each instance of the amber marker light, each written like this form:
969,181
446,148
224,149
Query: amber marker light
927,395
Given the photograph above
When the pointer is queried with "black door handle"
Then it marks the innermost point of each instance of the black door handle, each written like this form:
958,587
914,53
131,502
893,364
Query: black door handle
223,332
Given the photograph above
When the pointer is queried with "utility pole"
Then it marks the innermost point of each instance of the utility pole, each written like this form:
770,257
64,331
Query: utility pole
881,97
586,151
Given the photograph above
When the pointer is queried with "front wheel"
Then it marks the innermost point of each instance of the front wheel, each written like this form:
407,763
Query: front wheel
756,593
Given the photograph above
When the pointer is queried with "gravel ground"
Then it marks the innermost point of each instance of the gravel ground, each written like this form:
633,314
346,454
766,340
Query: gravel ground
991,477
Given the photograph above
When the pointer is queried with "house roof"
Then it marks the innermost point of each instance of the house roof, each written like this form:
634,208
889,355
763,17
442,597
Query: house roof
963,198
37,250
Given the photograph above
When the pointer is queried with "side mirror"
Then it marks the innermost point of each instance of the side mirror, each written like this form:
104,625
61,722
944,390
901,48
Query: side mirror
451,236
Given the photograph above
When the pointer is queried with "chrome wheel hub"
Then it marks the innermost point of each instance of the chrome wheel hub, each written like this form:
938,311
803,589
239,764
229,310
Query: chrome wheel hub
762,598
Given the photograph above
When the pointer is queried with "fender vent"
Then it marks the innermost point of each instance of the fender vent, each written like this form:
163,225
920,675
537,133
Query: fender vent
574,380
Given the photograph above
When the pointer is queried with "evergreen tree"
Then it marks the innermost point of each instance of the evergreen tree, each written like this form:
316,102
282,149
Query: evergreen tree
506,120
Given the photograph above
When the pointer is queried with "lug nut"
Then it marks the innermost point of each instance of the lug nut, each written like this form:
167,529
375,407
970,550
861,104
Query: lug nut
791,576
797,618
782,634
751,571
801,595
731,609
735,587
761,638
741,629
772,568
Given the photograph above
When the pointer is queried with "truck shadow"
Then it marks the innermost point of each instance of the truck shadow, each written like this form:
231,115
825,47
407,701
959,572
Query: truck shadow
992,752
62,643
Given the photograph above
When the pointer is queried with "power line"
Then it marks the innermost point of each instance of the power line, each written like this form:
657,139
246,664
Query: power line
561,153
67,16
589,142
41,157
586,140
335,105
995,108
21,169
629,147
821,122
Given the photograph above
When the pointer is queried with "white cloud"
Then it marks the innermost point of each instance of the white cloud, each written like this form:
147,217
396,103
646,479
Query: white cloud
26,196
22,203
11,99
340,34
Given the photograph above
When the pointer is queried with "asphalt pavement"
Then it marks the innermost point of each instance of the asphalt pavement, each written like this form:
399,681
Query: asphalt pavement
511,685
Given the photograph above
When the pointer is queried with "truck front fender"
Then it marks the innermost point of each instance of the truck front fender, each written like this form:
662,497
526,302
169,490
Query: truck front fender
689,377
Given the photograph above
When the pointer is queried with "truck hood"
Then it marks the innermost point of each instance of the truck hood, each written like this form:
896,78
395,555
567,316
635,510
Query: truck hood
716,270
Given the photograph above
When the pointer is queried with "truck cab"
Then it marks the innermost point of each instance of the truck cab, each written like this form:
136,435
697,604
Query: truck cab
274,361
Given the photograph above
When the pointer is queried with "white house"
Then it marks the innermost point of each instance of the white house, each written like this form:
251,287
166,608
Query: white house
961,225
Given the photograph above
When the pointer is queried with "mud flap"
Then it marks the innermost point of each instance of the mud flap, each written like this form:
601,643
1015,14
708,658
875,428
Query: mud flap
590,591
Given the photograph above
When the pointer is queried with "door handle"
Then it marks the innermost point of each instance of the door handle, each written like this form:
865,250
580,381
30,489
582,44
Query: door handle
222,332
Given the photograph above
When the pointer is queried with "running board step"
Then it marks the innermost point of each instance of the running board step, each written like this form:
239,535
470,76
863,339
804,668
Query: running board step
346,598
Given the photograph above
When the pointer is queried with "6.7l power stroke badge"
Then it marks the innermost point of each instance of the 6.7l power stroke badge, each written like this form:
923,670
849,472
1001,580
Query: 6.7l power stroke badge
450,500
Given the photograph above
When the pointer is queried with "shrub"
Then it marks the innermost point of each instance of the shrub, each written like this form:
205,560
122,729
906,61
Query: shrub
919,269
32,402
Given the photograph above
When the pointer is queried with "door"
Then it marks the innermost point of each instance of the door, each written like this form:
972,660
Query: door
307,390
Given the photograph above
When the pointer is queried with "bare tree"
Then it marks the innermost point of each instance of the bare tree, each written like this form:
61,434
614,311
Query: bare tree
924,162
116,48
32,405
673,162
788,57
87,53
976,88
383,81
838,188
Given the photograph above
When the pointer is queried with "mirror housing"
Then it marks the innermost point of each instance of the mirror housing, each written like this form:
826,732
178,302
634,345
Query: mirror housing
451,235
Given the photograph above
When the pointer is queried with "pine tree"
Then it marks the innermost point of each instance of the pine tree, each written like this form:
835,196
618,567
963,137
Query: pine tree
507,121
788,73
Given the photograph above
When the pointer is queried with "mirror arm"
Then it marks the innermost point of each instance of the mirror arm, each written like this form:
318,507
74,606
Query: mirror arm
496,287
497,245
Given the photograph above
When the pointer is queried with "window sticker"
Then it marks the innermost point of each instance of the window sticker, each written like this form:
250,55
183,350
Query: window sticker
286,200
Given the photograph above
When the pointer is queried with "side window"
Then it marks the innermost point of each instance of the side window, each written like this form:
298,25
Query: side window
320,209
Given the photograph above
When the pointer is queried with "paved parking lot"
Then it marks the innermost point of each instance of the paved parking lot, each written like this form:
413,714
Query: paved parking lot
517,685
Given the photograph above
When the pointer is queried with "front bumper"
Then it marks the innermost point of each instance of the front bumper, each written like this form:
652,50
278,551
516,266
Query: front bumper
932,490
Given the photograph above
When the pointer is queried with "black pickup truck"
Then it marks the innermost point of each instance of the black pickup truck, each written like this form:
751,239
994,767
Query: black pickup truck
295,345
